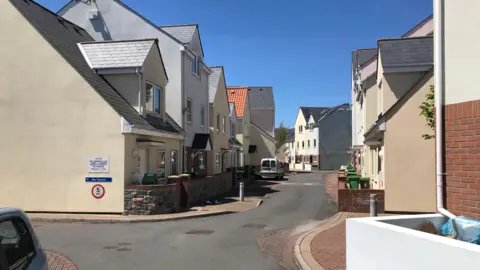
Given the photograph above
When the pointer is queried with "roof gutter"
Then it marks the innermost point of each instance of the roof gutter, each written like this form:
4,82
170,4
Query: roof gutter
439,51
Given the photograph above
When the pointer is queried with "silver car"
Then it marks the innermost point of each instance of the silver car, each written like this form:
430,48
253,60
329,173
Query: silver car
19,247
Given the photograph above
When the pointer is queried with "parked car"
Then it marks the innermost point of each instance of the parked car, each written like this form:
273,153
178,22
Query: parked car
270,168
19,246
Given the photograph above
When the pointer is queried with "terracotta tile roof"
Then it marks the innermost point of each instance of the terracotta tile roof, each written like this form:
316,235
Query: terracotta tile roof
238,95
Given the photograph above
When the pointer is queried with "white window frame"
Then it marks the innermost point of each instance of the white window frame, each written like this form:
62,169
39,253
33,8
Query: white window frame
196,65
160,90
202,115
314,143
224,122
217,158
201,160
189,110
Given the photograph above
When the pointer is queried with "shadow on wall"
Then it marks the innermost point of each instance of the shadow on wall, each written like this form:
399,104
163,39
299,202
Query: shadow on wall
101,27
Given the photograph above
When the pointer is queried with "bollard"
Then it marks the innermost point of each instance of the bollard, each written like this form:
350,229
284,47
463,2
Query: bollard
241,192
373,205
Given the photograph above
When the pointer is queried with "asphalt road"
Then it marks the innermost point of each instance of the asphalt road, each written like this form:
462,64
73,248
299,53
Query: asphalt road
224,242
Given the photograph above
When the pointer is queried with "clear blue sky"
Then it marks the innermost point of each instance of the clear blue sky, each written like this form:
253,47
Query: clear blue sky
302,48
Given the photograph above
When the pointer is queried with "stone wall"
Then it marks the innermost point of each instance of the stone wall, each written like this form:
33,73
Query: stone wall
358,200
151,199
201,189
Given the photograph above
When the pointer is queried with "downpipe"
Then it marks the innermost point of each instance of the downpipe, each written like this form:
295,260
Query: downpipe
439,49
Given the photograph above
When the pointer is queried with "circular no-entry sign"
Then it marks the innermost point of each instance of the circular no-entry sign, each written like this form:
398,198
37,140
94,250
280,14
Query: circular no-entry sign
98,191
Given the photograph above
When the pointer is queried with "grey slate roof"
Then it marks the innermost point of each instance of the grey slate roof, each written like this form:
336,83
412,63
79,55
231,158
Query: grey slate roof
406,52
64,36
213,81
361,56
261,97
291,135
316,112
117,54
184,33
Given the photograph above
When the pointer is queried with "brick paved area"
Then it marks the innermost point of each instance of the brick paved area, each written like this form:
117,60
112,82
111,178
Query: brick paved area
328,247
56,261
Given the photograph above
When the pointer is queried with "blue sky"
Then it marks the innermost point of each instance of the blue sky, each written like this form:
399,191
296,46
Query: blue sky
302,48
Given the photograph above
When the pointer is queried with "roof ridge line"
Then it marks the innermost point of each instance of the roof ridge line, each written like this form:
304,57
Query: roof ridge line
118,41
180,25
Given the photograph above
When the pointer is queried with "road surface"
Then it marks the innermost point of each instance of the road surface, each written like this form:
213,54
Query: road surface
223,242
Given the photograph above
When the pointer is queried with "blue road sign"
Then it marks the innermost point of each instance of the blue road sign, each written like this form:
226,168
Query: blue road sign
98,179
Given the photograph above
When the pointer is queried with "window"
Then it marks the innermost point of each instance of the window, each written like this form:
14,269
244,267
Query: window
223,125
308,143
314,143
161,164
201,161
189,110
202,115
218,122
174,163
153,98
196,66
298,144
232,131
16,243
303,144
217,158
300,129
311,127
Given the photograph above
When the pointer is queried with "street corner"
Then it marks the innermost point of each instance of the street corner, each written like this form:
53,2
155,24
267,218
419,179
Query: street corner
56,261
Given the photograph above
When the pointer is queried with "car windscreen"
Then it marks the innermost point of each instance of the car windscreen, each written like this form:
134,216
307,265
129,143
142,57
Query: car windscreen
266,164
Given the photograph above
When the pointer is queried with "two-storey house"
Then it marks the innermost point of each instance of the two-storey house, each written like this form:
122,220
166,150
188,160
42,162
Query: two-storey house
181,47
77,112
306,139
236,147
239,96
364,70
262,109
219,120
401,160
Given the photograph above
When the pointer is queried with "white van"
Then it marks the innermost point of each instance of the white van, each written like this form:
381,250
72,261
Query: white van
270,168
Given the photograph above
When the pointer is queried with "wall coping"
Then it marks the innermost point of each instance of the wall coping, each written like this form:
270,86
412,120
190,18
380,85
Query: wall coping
148,187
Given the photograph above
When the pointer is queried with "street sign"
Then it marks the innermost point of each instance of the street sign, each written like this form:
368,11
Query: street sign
98,165
98,179
98,191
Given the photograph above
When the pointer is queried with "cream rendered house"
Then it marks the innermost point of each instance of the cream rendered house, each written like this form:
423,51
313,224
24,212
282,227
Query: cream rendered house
402,162
219,120
239,96
182,49
364,67
77,112
306,138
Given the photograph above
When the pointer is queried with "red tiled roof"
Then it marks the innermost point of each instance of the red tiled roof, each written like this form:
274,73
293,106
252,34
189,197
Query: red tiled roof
238,95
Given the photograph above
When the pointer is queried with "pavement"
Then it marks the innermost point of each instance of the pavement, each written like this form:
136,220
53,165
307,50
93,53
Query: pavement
262,238
228,205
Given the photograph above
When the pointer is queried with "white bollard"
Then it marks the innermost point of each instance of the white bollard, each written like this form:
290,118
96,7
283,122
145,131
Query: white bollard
241,192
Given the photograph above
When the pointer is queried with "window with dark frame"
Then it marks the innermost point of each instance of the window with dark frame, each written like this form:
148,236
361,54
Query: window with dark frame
218,122
314,142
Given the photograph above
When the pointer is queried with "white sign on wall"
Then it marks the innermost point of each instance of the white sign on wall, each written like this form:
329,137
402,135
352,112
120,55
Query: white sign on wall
98,165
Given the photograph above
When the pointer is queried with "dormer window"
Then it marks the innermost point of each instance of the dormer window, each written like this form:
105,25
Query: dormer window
153,98
196,65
